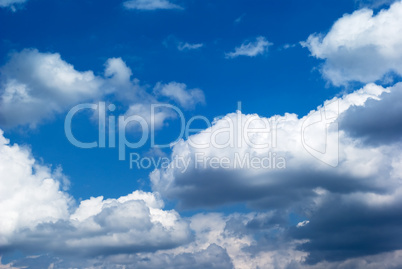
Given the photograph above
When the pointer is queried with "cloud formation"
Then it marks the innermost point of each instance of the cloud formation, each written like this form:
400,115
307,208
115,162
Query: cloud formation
250,49
361,46
150,4
35,86
36,214
326,161
341,212
188,46
285,145
178,92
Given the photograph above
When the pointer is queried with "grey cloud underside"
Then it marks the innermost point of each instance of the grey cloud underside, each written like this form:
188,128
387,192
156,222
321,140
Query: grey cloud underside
353,210
273,190
339,230
54,238
213,257
378,122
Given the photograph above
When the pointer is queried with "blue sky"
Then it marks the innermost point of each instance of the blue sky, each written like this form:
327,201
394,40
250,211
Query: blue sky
147,42
326,72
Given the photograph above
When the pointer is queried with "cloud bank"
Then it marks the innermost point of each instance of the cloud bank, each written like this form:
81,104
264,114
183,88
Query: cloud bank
340,183
38,215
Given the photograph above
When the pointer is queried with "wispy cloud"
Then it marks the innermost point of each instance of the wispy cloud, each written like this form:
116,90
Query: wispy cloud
250,49
374,3
150,4
288,46
239,19
187,46
11,4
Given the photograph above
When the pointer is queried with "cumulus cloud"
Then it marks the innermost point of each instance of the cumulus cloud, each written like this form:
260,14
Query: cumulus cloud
178,92
37,215
220,242
360,46
284,145
379,121
35,86
29,193
250,49
150,4
325,162
241,241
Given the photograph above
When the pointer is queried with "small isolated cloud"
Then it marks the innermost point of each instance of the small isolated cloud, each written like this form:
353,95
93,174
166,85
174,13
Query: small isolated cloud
288,46
251,49
187,46
239,19
362,46
150,4
178,92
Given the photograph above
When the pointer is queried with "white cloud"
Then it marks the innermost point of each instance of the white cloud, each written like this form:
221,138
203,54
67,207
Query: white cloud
233,233
118,72
37,215
36,85
363,190
178,92
361,46
251,49
187,46
150,4
29,193
132,223
291,142
288,46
